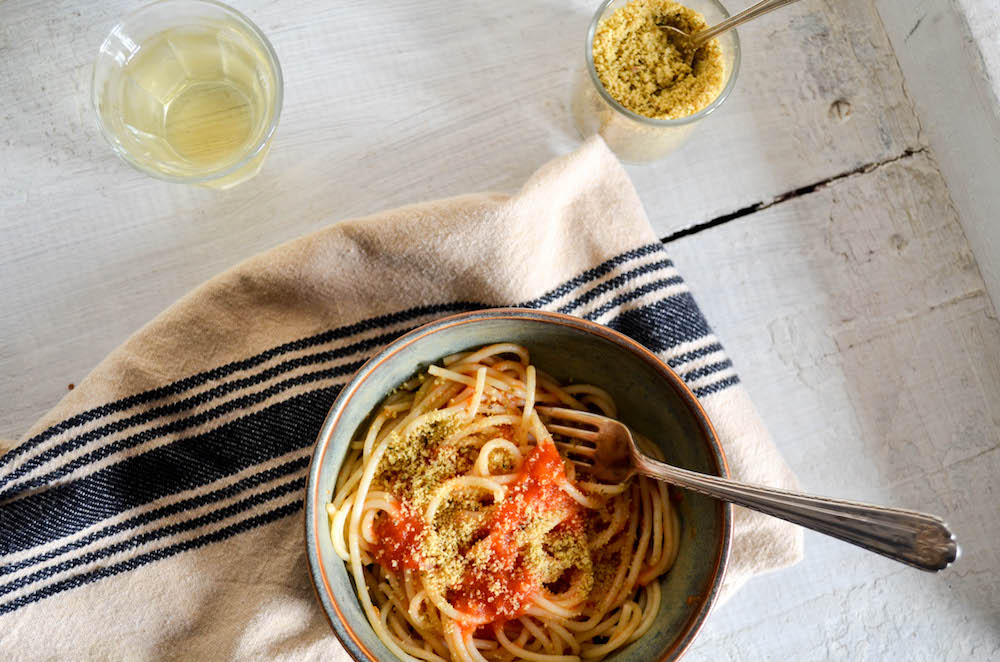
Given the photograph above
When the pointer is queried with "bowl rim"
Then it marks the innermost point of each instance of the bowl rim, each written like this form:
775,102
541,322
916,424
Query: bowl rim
344,630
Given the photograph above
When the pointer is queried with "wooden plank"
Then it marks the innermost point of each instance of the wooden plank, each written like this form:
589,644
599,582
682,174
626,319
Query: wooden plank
861,327
937,51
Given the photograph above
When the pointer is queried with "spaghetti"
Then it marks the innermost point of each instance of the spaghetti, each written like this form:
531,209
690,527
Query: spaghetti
469,537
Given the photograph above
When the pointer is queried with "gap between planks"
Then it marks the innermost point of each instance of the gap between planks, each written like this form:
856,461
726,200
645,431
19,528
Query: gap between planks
789,195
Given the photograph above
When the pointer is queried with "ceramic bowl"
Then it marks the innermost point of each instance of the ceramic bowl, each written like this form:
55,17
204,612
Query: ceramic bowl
650,398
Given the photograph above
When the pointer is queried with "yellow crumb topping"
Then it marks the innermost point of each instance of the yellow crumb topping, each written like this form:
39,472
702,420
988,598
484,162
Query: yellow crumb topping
641,66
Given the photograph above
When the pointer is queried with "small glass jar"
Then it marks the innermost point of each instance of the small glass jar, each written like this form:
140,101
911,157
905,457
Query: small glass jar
633,137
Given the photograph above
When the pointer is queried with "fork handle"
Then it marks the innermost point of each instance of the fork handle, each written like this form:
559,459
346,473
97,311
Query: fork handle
702,37
916,539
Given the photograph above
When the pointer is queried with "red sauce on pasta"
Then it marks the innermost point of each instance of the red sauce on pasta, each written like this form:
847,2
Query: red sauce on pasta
502,593
399,540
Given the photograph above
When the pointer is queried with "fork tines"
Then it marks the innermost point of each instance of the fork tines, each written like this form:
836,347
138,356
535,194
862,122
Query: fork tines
583,450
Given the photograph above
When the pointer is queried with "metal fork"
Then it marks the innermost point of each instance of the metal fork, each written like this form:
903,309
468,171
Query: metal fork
609,453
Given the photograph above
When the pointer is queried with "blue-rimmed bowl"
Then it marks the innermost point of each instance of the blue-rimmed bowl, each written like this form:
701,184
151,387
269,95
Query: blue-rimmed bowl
650,398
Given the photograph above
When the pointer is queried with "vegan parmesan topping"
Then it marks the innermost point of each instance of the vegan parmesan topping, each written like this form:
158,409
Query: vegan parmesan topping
645,69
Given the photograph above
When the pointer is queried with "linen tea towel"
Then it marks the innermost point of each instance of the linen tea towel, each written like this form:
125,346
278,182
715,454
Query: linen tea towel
155,512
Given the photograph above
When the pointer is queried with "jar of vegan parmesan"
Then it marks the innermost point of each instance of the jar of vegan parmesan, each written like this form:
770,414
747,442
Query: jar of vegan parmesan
637,89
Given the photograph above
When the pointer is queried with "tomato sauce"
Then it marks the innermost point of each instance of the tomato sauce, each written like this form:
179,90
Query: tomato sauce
399,540
536,489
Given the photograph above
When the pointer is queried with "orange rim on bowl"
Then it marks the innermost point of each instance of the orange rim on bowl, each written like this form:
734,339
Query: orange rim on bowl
313,501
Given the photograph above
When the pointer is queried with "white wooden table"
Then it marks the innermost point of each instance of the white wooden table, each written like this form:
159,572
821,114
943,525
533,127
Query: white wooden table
815,228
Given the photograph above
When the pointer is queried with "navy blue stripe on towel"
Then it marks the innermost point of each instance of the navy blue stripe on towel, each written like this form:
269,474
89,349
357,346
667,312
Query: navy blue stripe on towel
179,406
664,324
716,387
615,283
706,370
600,270
184,464
694,354
124,443
155,555
191,503
212,517
188,383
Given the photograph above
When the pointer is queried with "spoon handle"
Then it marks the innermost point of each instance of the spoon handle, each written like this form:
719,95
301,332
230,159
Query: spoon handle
704,36
916,539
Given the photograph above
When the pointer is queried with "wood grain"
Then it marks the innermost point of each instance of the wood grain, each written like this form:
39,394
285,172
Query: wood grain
861,328
948,59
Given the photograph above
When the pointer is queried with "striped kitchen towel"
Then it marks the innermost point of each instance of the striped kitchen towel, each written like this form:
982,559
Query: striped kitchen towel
155,513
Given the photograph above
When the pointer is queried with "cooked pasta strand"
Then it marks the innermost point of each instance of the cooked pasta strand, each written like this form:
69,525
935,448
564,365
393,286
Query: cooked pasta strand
471,540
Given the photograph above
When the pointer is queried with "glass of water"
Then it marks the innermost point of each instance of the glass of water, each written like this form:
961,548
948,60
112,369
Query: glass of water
188,91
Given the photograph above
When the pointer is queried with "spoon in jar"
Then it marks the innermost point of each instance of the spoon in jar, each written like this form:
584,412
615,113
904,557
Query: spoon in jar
692,42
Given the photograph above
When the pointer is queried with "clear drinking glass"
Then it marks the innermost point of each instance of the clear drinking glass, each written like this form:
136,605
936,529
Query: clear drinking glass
188,91
633,137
